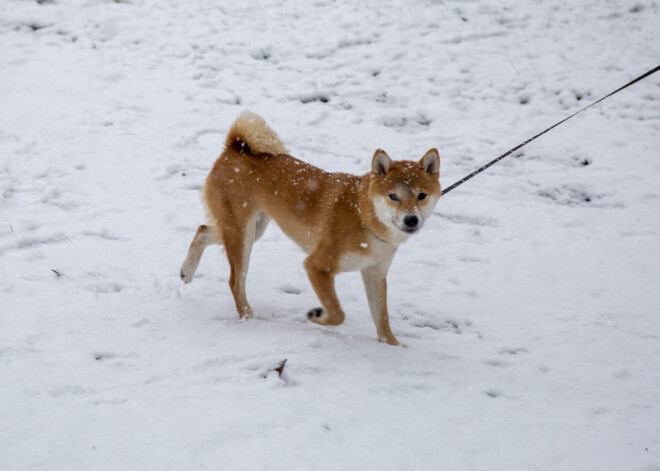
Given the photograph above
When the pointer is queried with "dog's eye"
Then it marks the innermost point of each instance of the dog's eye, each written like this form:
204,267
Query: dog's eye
393,197
421,196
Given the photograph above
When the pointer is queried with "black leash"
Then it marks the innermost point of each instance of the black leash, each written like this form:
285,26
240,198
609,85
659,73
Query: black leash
509,152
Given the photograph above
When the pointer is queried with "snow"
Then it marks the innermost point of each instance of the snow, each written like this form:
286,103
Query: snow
529,302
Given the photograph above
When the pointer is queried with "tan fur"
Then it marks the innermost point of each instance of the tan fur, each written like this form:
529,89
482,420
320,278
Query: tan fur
343,222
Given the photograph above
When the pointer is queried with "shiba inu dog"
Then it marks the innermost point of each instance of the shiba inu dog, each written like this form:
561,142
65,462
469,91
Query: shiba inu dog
343,222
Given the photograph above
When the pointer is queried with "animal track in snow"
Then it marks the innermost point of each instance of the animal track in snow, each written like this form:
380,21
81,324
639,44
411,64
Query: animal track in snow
574,195
493,393
103,356
70,390
289,289
32,242
414,123
315,97
101,234
473,220
497,363
420,321
108,287
512,351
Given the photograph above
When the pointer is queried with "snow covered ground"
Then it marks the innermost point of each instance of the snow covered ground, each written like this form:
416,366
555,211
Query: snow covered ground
530,302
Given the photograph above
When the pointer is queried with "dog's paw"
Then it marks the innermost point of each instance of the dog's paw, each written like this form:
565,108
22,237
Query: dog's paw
185,277
320,316
245,312
315,314
391,340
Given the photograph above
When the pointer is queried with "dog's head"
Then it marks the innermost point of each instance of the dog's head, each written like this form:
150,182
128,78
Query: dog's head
404,192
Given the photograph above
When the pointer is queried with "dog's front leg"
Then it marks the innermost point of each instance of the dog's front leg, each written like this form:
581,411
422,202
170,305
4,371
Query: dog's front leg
375,284
323,282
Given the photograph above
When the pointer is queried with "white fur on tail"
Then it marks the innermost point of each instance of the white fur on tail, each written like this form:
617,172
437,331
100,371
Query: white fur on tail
252,130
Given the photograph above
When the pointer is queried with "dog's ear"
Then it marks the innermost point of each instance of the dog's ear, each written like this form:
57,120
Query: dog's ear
381,163
431,162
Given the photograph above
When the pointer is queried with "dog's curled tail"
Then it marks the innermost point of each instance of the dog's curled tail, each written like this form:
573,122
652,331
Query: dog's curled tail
251,135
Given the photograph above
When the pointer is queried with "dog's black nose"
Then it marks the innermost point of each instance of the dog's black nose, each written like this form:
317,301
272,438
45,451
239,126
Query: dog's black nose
411,221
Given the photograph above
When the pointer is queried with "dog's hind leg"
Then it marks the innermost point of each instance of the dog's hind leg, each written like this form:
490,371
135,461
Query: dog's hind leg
203,238
238,241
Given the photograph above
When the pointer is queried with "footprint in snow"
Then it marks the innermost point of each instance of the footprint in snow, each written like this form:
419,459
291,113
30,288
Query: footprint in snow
492,393
512,351
289,289
497,363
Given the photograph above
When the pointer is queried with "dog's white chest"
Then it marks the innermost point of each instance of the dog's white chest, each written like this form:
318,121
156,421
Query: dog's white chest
354,261
373,253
